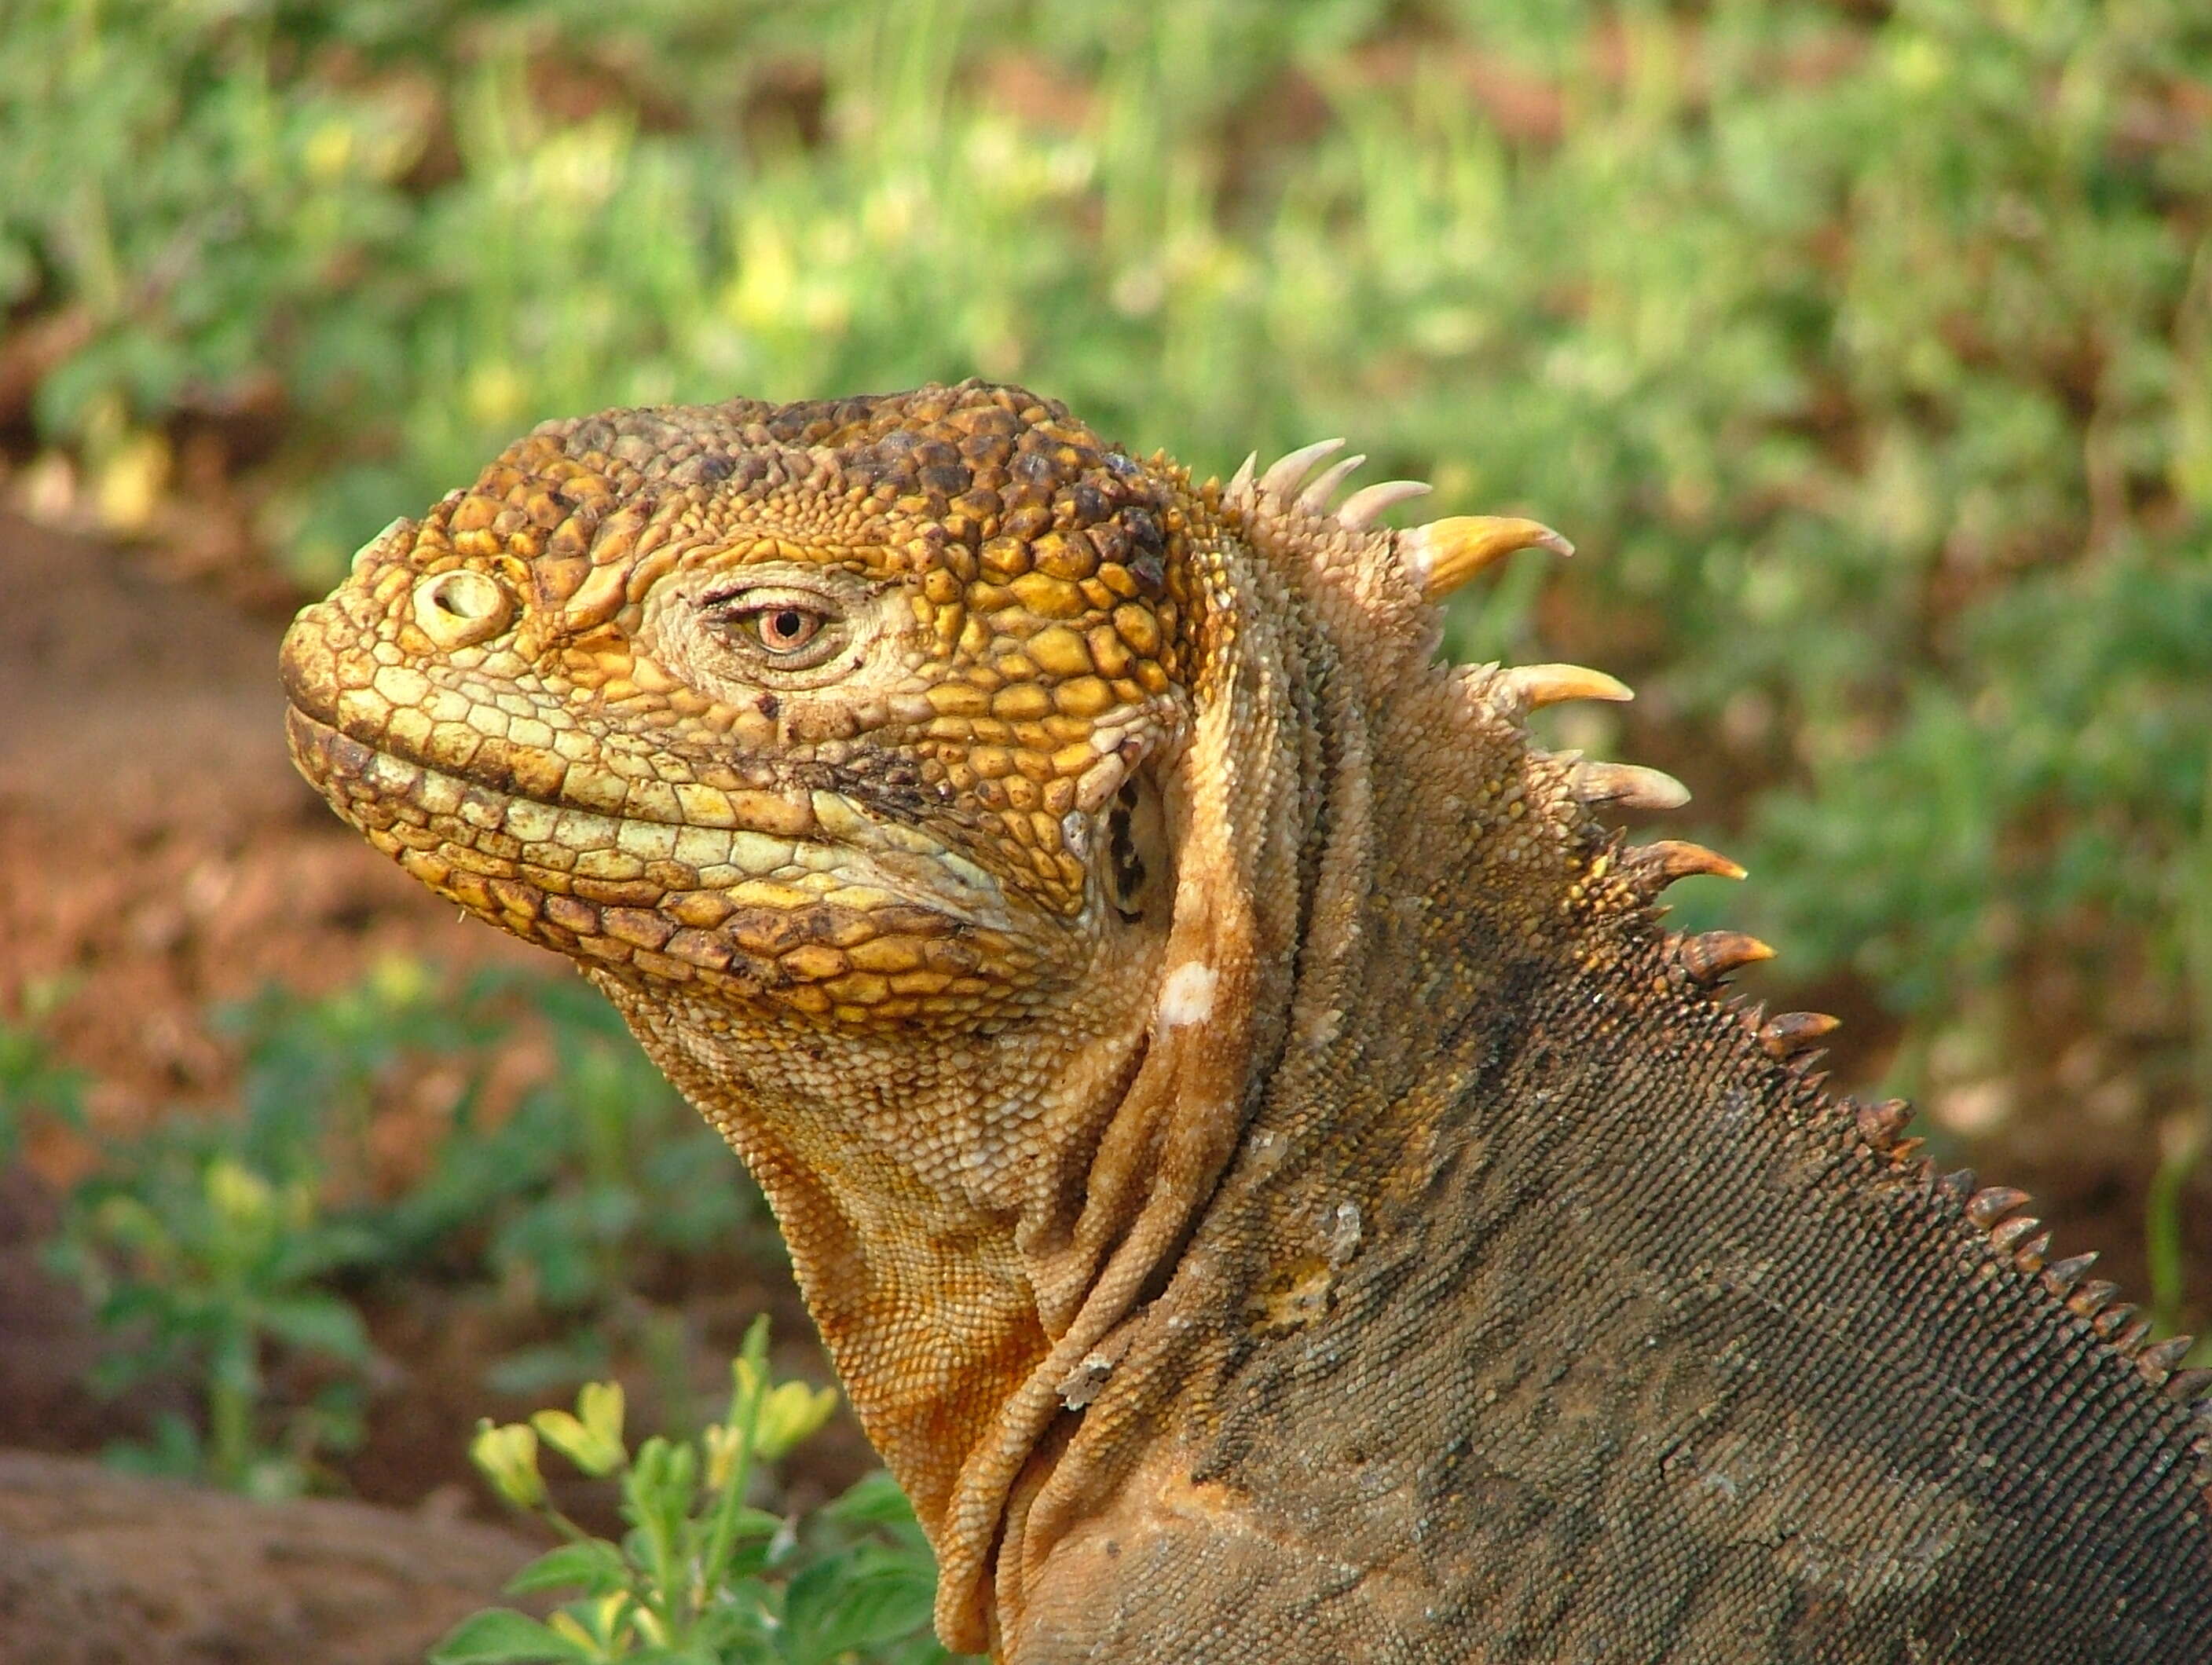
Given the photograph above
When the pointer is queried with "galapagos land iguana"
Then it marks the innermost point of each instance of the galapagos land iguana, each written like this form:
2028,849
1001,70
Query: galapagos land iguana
1271,1187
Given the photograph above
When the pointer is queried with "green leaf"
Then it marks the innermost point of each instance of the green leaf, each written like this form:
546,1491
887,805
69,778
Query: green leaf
874,1500
594,1566
317,1323
841,1604
500,1636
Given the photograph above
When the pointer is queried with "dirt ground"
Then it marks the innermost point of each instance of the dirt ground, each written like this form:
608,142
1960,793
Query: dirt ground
158,855
100,1569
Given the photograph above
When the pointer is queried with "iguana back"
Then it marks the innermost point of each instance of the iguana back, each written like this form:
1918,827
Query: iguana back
1272,1186
1629,1360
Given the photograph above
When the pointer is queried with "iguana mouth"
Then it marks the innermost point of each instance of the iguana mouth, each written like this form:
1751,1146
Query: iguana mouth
833,913
505,753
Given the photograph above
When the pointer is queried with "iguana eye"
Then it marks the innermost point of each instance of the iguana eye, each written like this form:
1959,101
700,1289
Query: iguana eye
787,629
782,628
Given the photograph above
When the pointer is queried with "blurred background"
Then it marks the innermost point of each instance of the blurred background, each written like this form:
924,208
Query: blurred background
1863,349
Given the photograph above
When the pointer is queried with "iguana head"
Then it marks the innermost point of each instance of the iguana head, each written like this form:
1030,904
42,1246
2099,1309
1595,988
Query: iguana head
962,812
836,711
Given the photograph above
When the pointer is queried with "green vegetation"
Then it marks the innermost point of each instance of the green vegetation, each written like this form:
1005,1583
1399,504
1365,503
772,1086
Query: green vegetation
702,1577
201,1269
221,1250
34,1084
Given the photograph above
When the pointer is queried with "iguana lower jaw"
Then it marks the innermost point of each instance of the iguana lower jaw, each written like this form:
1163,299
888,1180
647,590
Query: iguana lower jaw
793,899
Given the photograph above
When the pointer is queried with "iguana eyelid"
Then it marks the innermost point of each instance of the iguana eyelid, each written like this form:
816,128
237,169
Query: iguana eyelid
745,605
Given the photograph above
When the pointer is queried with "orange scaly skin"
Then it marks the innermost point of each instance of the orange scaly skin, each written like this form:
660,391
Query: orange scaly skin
1270,1187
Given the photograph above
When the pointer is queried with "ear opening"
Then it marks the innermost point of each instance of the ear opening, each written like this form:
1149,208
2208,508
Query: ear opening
1139,874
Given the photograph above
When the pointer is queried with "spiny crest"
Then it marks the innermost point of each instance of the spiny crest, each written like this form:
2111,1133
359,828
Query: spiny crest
1422,565
2021,1240
1432,560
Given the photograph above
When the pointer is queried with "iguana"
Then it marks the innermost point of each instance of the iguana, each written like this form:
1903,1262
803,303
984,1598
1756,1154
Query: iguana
1271,1187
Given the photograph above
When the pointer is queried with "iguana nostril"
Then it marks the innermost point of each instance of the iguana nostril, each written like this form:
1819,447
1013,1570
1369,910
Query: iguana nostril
461,608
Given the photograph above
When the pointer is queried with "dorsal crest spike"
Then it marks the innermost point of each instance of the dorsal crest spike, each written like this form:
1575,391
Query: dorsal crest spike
1881,1124
1288,473
1788,1033
1989,1205
2088,1300
2161,1359
1628,787
1536,686
1445,553
1671,859
1315,498
2060,1276
1368,504
1239,488
2121,1325
1711,955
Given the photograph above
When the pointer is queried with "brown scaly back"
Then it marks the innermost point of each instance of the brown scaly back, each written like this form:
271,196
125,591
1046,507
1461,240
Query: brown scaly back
1290,504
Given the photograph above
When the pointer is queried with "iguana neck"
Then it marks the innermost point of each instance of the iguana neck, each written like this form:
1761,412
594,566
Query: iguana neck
1310,935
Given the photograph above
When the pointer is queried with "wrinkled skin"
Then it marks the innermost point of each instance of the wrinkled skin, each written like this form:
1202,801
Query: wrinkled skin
1269,1185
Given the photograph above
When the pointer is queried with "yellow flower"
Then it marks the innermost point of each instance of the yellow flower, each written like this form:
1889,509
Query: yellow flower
591,1439
789,1414
508,1455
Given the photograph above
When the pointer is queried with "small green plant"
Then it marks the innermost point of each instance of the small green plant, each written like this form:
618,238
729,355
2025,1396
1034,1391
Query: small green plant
622,1172
207,1267
318,1069
32,1084
224,1251
215,1251
702,1577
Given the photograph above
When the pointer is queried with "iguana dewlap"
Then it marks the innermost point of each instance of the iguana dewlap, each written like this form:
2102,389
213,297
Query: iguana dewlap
1271,1189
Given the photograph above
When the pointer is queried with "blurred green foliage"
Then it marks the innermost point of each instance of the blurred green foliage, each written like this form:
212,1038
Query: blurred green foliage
204,1271
223,1253
34,1084
1866,351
